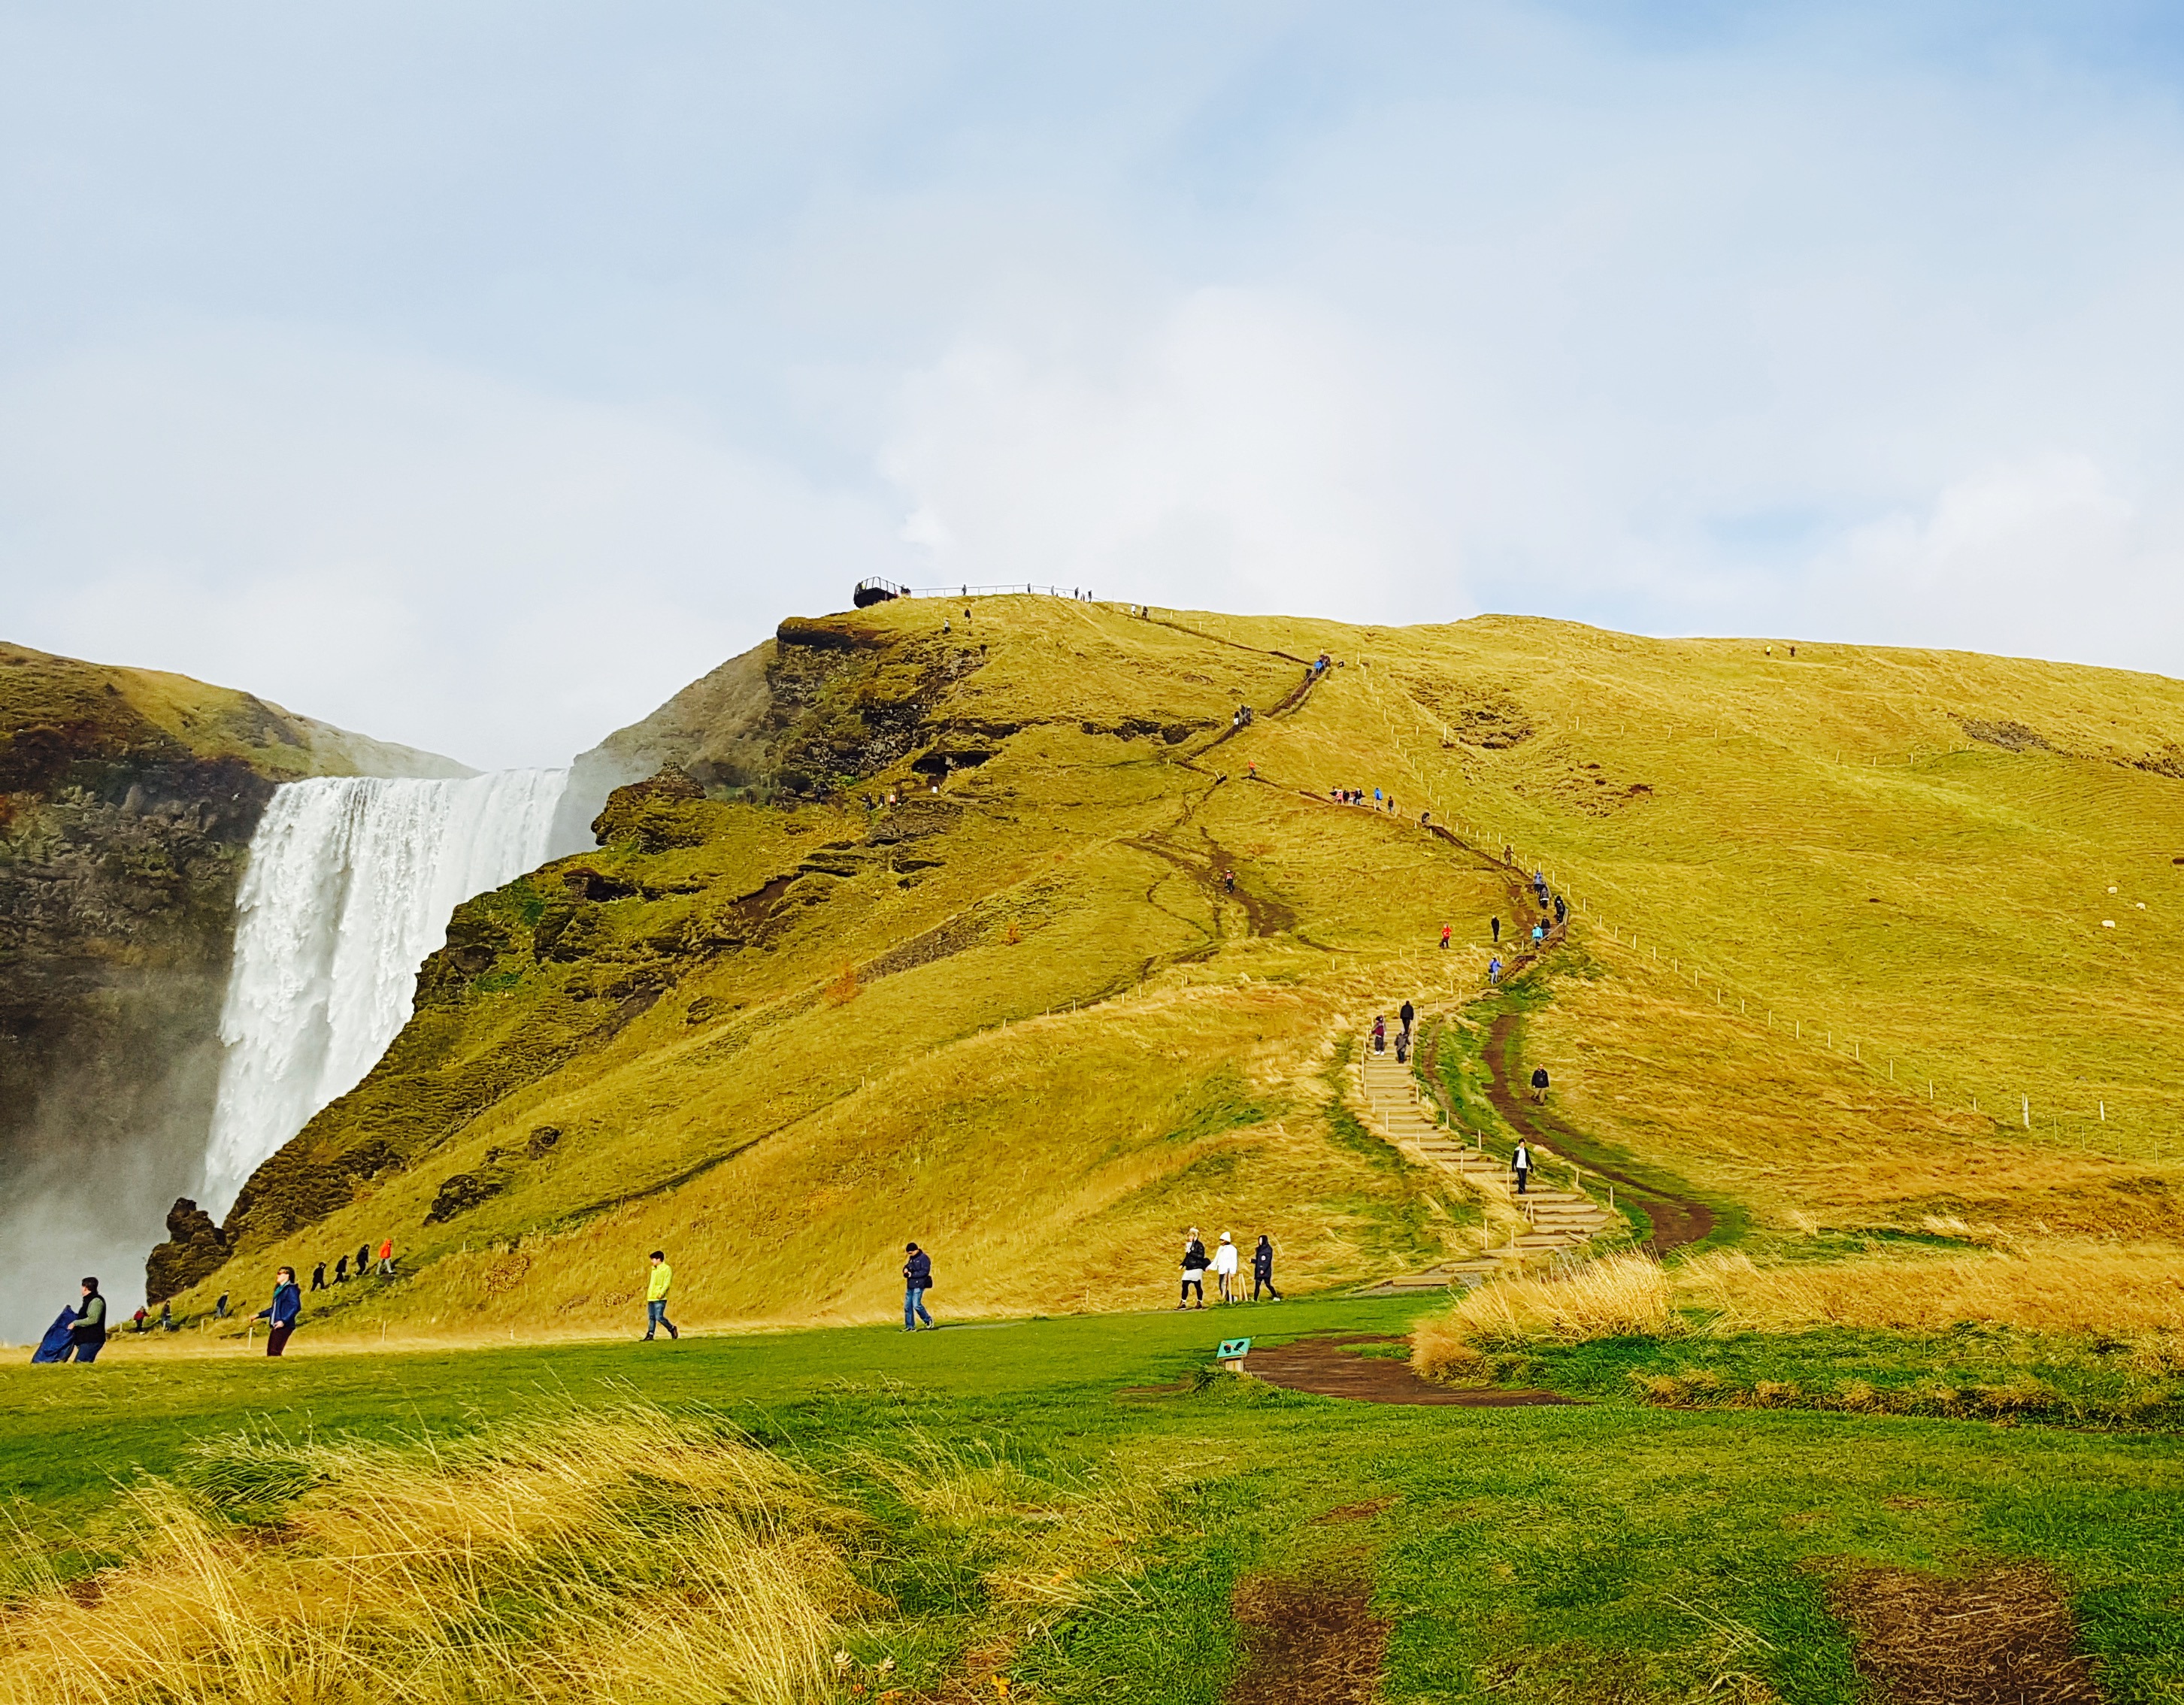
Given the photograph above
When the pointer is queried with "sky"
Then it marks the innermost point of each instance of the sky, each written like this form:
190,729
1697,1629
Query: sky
475,375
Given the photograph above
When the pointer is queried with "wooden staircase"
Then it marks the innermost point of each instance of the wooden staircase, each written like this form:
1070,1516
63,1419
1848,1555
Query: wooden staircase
1537,1225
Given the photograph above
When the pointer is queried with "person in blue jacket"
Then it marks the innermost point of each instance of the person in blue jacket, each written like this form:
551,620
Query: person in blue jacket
287,1303
916,1280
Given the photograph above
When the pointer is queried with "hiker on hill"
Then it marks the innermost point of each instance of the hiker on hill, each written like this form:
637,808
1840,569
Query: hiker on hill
1444,938
387,1258
340,1271
1195,1263
1494,928
1538,934
1494,970
1403,1047
656,1287
167,1317
363,1259
1379,1034
219,1308
1520,1163
319,1277
280,1313
1539,1083
137,1321
1406,1013
1561,912
1224,1268
87,1331
1262,1269
916,1280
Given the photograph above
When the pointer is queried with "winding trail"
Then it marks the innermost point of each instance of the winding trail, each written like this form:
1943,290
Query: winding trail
1327,1364
1677,1220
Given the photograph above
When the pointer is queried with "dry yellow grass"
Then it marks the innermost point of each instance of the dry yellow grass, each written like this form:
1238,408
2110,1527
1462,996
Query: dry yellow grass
614,1555
2040,1285
1619,1296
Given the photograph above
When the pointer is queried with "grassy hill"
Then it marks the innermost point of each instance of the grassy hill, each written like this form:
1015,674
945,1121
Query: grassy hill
1844,922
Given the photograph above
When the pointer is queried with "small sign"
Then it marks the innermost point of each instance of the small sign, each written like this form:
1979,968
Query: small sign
1233,1350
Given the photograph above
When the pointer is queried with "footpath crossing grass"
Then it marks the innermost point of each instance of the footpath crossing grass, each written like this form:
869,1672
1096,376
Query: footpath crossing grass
1072,1505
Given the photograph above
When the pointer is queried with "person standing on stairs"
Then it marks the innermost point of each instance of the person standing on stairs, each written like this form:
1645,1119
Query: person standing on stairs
1379,1034
1224,1270
1406,1013
1195,1264
1539,1083
1262,1269
1520,1163
1403,1047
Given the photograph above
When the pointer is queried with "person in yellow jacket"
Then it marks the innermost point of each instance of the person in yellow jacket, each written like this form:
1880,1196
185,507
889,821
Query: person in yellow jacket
656,1297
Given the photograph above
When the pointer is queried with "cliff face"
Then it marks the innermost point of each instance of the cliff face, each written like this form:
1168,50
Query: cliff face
127,802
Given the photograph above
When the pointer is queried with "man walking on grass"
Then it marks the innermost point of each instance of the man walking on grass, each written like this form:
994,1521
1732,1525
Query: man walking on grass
656,1297
916,1280
1262,1269
1539,1083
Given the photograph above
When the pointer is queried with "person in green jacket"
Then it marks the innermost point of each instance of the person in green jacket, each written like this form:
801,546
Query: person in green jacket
87,1336
656,1297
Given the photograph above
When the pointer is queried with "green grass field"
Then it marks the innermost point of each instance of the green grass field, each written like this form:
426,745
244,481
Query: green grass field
1612,1550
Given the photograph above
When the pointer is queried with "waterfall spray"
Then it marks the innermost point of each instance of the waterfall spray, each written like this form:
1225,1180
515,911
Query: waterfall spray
350,885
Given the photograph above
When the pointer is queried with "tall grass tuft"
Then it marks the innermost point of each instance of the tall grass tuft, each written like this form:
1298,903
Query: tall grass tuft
1620,1296
621,1556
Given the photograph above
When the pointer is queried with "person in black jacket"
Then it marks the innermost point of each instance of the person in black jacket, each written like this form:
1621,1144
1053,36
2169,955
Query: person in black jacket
1195,1261
1539,1083
916,1280
87,1332
319,1277
1262,1269
1406,1013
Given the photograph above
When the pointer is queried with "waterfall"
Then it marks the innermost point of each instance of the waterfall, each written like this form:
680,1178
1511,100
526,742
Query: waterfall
349,887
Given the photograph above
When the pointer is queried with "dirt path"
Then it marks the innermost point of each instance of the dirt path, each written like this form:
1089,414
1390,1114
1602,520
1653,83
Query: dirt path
1326,1365
1677,1220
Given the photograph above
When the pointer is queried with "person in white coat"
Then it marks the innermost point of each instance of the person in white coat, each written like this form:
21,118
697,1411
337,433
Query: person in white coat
1224,1268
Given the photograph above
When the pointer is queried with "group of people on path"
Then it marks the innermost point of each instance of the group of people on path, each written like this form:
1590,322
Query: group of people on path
1223,1262
1406,1015
363,1265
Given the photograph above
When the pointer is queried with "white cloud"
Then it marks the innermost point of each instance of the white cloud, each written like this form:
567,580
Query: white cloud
420,552
1238,451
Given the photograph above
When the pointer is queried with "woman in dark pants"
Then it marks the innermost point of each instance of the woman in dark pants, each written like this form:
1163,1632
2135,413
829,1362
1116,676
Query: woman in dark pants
287,1303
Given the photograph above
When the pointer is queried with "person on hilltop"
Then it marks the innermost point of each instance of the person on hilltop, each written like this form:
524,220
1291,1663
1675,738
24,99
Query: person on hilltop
661,1280
1262,1269
1224,1270
1445,933
916,1280
1520,1163
1195,1263
280,1314
1539,1083
87,1332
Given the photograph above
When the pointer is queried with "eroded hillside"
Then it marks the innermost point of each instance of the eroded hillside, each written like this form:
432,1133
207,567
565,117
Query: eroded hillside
927,930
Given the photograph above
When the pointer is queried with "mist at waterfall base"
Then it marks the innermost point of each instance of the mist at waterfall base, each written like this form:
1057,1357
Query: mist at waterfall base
350,886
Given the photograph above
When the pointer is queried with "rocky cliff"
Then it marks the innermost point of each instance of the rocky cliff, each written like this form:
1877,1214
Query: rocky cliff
127,802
